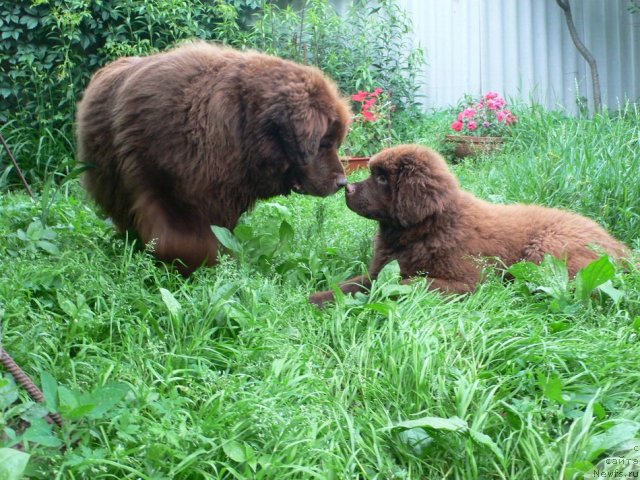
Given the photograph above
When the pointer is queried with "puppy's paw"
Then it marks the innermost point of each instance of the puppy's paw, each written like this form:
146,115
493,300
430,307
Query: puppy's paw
320,298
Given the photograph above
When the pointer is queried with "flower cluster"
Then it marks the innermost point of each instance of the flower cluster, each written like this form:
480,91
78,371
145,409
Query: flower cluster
368,100
370,129
485,117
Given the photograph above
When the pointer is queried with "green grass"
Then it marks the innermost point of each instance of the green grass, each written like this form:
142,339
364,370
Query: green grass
232,374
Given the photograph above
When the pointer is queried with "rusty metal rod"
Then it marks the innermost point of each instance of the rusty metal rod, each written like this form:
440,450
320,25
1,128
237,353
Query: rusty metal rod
15,164
24,380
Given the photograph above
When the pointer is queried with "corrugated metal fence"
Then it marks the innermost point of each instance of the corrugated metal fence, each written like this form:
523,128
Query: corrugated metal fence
523,48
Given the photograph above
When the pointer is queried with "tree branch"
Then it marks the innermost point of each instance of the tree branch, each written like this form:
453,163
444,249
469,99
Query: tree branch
586,54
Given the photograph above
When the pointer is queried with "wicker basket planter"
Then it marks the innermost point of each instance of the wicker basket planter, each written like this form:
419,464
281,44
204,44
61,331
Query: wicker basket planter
467,145
354,163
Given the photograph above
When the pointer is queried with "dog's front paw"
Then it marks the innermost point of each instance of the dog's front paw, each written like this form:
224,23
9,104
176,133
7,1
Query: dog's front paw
320,298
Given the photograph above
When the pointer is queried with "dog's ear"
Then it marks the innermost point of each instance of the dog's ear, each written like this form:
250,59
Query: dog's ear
421,190
309,127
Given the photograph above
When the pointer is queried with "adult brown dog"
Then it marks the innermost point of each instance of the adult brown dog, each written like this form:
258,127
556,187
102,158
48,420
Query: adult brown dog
432,227
182,140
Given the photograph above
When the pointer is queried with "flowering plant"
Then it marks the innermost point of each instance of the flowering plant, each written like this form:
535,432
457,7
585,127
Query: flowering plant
485,117
371,128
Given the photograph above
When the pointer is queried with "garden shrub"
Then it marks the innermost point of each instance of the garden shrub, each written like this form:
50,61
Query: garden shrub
50,48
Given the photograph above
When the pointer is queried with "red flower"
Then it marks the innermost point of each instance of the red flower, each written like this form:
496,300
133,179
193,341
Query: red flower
368,116
457,125
369,103
359,97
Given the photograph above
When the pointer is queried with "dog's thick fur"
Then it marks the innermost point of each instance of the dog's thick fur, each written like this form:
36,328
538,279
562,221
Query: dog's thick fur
432,227
181,140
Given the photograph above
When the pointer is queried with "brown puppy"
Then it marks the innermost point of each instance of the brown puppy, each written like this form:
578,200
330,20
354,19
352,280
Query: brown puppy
432,227
192,137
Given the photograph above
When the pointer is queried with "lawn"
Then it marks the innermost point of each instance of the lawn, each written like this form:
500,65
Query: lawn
232,374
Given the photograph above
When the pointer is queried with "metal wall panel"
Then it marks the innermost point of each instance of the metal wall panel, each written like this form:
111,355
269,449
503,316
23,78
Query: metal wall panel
523,48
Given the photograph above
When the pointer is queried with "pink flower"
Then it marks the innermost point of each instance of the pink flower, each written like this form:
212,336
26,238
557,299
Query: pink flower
377,91
487,115
469,113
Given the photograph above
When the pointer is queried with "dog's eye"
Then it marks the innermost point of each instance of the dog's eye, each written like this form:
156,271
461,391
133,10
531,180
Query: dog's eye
381,179
326,143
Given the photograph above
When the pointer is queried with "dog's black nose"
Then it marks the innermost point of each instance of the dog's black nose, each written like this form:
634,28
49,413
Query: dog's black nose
342,181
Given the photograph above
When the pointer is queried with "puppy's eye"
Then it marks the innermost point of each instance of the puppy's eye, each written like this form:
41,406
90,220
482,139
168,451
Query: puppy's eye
381,179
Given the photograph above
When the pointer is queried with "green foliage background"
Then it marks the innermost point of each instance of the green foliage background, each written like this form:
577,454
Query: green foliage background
50,48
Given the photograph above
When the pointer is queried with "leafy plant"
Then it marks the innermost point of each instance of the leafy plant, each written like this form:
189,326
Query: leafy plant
414,433
371,129
38,237
551,279
487,116
12,463
24,425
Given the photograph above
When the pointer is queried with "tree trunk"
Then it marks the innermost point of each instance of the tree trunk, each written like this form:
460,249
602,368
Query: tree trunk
595,78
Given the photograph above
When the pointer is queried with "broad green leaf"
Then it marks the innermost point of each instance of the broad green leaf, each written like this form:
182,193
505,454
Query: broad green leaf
12,463
67,398
616,435
552,388
227,238
281,209
251,458
525,271
417,439
222,293
383,308
576,469
40,432
235,451
8,392
48,247
613,293
592,276
84,410
50,390
453,424
486,440
395,290
67,305
390,273
243,233
170,301
555,277
105,397
636,324
285,233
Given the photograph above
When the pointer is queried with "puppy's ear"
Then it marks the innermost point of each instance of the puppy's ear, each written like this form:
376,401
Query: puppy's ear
422,189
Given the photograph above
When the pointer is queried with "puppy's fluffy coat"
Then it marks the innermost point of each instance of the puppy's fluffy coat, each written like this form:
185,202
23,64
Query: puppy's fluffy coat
432,227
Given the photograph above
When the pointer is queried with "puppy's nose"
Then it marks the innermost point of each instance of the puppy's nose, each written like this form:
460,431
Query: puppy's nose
341,181
350,188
